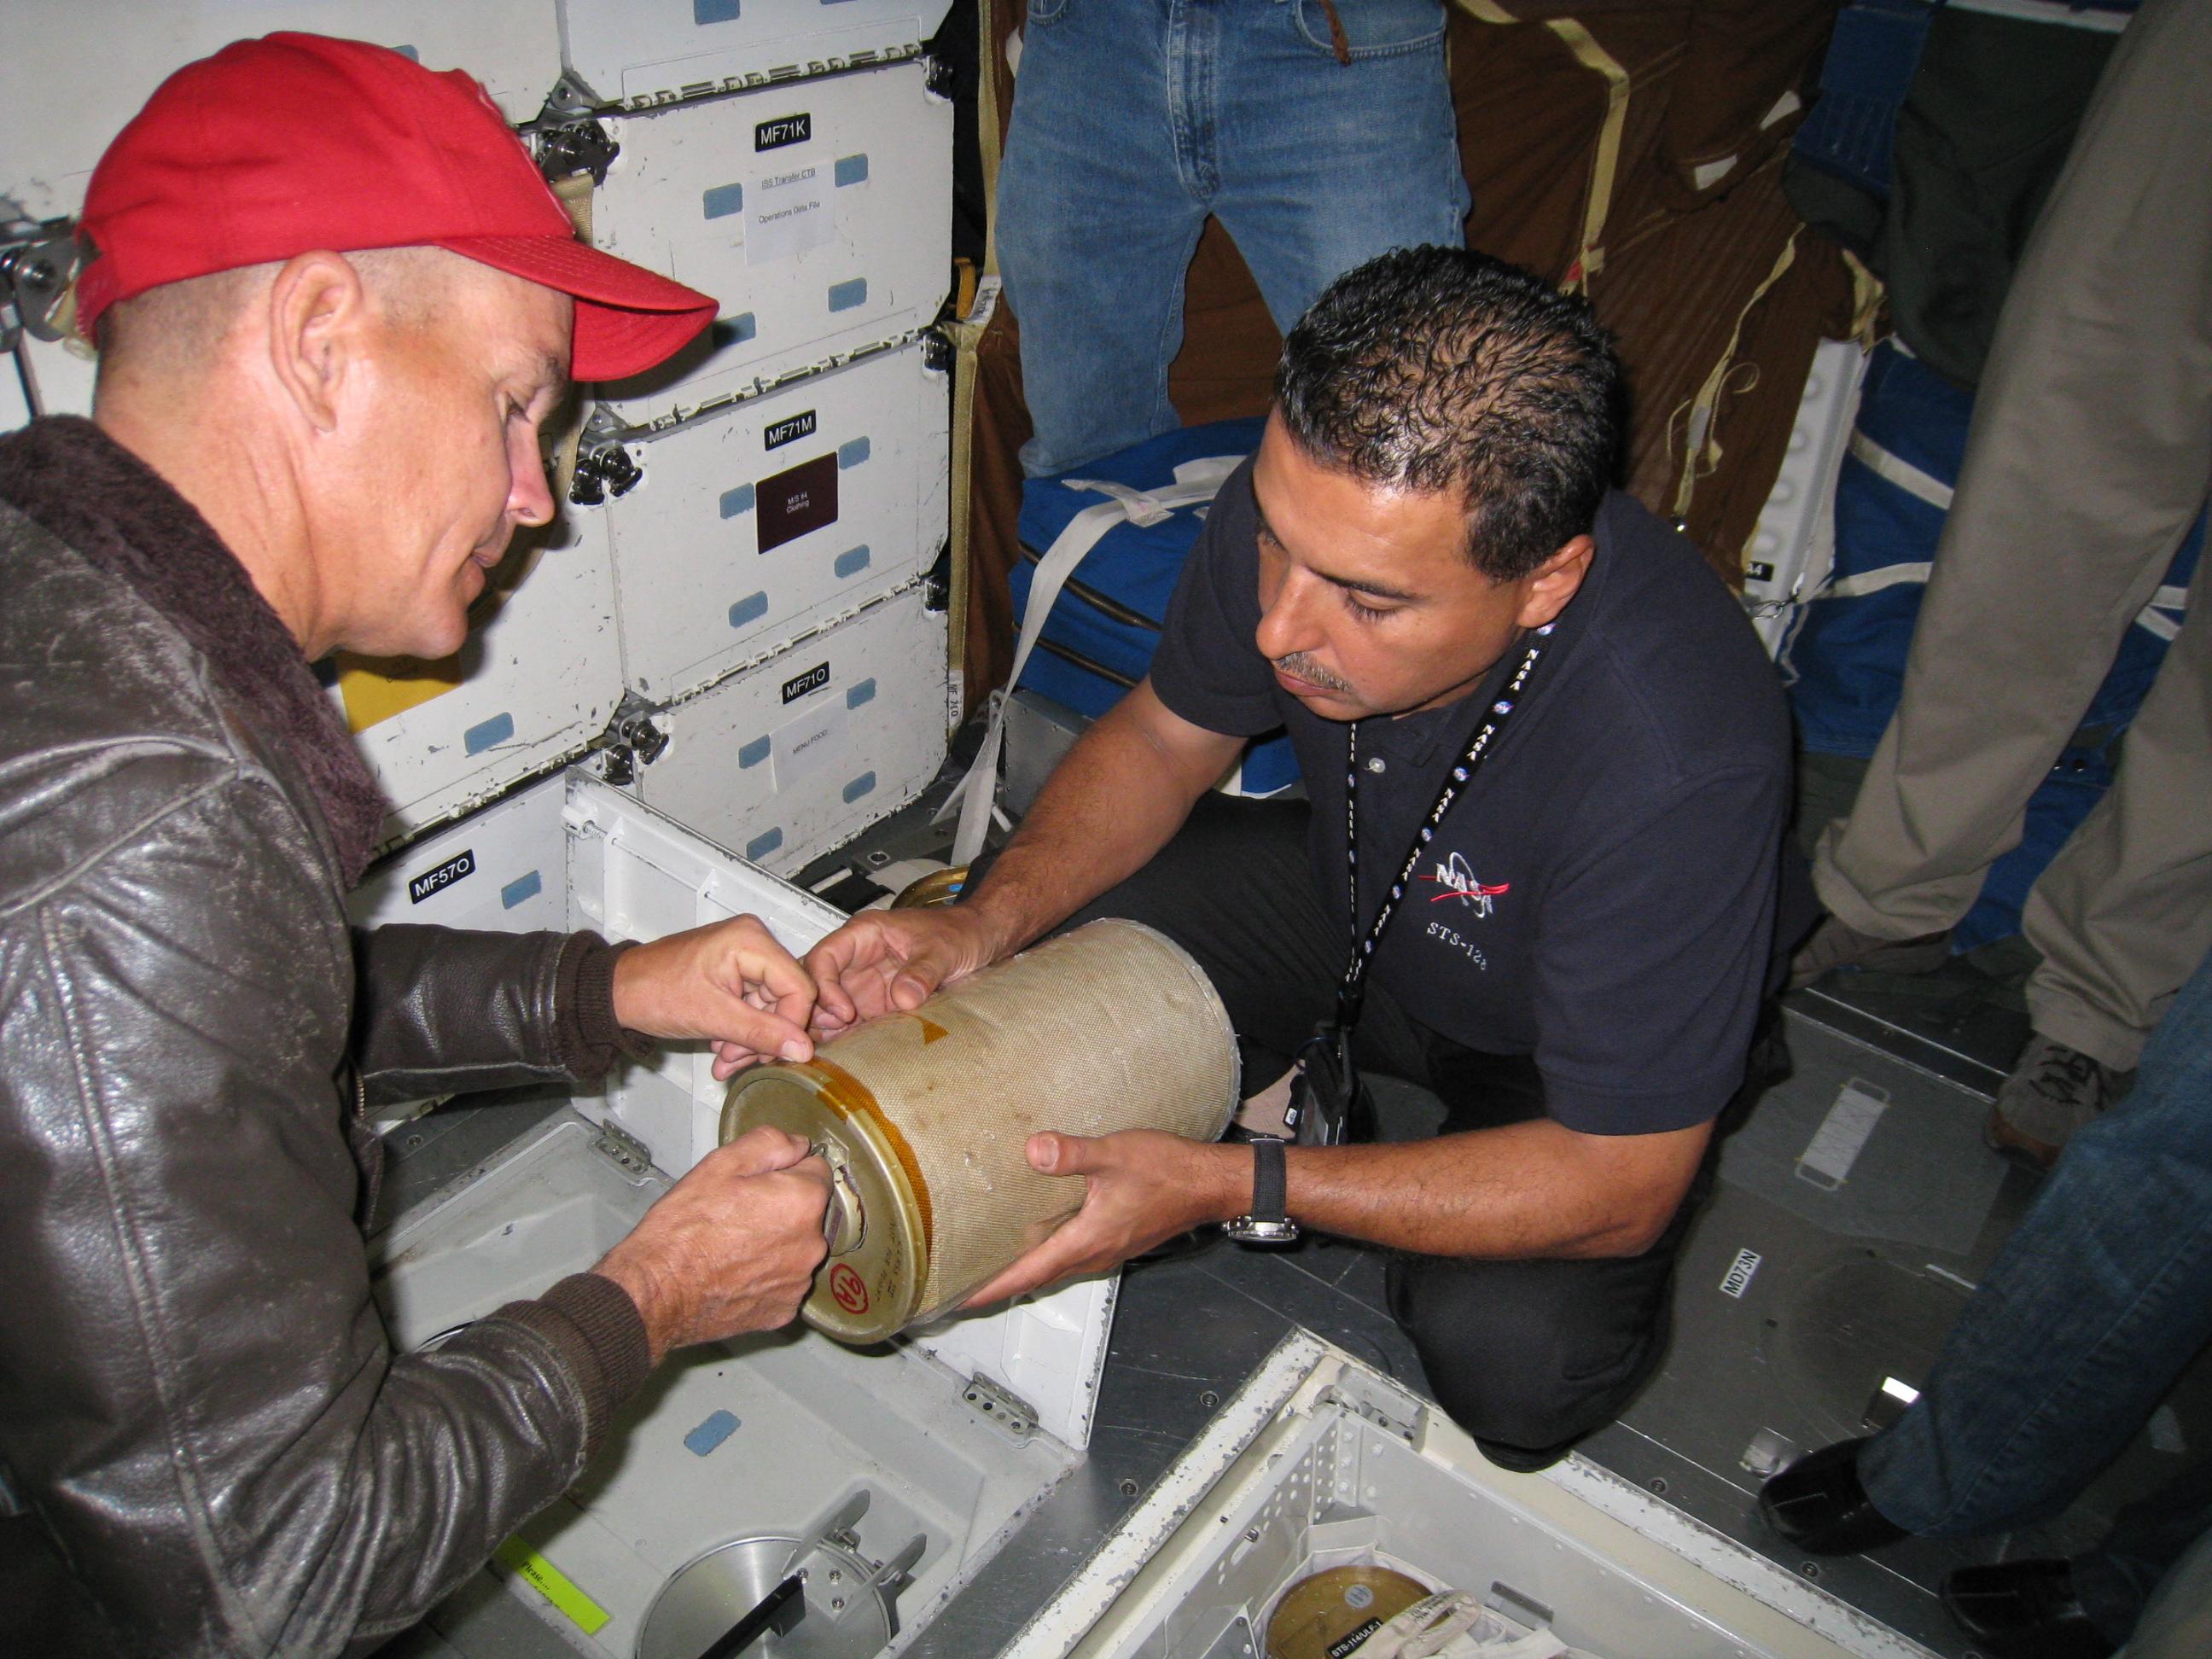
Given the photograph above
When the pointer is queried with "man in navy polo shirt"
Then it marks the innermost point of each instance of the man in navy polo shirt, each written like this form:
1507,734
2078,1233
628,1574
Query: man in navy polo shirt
1425,576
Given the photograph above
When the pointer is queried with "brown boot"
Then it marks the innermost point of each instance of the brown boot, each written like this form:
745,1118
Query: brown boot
1835,943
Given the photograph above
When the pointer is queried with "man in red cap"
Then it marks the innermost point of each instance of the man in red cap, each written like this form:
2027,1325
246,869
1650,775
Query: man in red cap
336,305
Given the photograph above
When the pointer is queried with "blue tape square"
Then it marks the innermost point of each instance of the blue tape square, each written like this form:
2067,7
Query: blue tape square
752,754
521,888
736,501
851,170
863,785
845,296
761,846
722,201
704,12
732,330
712,1431
851,454
864,692
500,728
851,562
751,609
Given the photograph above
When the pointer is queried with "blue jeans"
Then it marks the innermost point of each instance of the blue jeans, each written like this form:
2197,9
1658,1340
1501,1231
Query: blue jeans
1133,119
2097,1300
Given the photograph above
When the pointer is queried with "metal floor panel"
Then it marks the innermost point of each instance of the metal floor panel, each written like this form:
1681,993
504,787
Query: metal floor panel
1797,1356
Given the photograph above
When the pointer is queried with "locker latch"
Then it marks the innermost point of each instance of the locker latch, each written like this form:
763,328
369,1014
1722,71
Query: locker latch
565,148
38,259
630,740
604,467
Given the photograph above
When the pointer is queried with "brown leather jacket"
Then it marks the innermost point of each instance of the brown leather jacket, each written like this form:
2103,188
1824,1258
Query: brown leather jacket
207,1445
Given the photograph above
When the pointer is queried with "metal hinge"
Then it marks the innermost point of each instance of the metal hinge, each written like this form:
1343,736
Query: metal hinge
625,1151
1381,1402
569,99
1001,1408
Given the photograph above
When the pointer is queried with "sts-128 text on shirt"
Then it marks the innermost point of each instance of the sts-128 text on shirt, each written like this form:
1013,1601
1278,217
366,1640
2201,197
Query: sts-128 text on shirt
1602,896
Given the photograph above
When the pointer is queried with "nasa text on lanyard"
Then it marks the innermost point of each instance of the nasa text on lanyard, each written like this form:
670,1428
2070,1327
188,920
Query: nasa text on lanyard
1323,1094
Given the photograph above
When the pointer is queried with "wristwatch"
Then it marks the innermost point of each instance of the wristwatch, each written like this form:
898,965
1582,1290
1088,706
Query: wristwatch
1266,1223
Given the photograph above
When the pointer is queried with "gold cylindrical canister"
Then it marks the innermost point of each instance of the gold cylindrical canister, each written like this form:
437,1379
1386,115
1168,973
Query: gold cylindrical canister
924,1117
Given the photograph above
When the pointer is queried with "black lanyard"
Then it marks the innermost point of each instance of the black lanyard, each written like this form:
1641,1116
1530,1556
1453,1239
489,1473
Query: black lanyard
1352,990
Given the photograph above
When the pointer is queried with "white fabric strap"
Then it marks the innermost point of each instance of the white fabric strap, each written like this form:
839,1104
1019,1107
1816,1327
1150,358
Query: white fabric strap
2152,618
1874,581
1196,481
1901,472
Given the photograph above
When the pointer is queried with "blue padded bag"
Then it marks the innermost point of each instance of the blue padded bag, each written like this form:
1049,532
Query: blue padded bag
1098,642
1872,54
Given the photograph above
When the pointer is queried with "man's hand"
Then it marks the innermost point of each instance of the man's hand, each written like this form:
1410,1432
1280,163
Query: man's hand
885,962
730,1248
729,983
1141,1186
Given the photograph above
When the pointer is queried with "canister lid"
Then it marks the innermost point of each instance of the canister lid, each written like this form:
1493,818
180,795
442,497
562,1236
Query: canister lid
878,1222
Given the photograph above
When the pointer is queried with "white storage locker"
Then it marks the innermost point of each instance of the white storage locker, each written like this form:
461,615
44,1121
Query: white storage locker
537,680
639,52
751,1437
733,1444
1320,1462
54,126
815,212
783,761
762,520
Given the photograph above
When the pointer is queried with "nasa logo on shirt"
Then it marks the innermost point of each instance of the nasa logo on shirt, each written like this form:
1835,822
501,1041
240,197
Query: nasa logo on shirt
1460,888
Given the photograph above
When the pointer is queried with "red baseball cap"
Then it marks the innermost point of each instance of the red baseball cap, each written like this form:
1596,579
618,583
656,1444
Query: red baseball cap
276,147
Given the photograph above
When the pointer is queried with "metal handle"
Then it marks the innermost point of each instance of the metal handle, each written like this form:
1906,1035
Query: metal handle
844,1218
888,1575
837,1522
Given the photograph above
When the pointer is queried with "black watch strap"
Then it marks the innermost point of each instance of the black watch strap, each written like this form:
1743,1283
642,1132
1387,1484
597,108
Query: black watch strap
1270,1184
1267,1222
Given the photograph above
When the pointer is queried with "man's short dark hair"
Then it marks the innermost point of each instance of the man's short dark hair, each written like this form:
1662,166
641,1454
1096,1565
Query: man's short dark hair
1433,368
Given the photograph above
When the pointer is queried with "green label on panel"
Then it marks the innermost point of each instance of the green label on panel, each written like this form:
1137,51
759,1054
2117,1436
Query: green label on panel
550,1582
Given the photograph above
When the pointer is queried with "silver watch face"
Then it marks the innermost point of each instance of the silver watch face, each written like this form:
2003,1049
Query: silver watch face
1250,1230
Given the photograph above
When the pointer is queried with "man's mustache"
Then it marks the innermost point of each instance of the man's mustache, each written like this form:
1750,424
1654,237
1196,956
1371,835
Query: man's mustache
1301,666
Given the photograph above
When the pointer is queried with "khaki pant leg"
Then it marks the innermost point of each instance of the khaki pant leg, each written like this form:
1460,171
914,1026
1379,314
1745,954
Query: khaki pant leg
2124,915
2091,442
